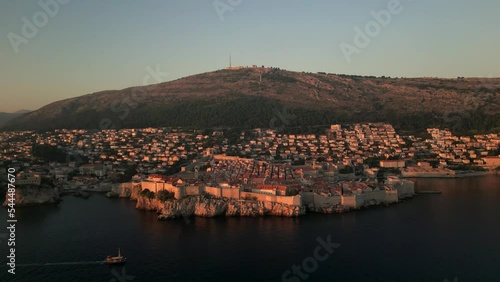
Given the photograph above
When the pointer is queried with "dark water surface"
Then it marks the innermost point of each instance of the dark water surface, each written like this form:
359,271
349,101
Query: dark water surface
428,238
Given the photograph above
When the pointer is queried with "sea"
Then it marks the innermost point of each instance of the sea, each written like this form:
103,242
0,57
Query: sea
453,236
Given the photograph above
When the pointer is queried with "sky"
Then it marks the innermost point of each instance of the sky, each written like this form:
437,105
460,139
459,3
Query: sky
81,47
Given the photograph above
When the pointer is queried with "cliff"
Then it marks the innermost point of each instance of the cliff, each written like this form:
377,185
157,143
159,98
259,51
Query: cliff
125,190
29,195
207,206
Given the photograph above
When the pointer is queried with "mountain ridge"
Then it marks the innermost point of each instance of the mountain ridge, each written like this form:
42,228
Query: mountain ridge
254,97
6,117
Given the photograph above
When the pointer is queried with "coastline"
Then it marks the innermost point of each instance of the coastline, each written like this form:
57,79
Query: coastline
117,223
208,205
205,204
31,195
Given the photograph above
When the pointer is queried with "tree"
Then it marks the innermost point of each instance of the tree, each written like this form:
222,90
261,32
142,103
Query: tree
165,195
147,193
346,170
129,172
373,161
299,162
48,153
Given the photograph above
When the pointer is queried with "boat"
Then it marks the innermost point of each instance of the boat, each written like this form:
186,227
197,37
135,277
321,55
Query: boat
116,260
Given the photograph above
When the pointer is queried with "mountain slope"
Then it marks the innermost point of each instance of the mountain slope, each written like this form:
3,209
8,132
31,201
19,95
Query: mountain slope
5,117
258,97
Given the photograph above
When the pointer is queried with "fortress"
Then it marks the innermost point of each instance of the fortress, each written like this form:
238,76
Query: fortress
182,190
395,190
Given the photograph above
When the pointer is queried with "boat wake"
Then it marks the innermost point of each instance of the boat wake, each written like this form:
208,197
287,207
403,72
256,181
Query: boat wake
62,263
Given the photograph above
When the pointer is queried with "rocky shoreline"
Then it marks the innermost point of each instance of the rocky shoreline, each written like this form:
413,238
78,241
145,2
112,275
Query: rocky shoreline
204,205
209,206
32,195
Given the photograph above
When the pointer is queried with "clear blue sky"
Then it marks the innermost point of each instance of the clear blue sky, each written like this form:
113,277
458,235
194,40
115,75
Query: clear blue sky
94,45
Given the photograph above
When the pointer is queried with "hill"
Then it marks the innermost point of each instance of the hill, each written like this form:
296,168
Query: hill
270,97
5,117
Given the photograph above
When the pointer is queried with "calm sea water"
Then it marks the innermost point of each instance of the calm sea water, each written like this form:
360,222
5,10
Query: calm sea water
428,238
